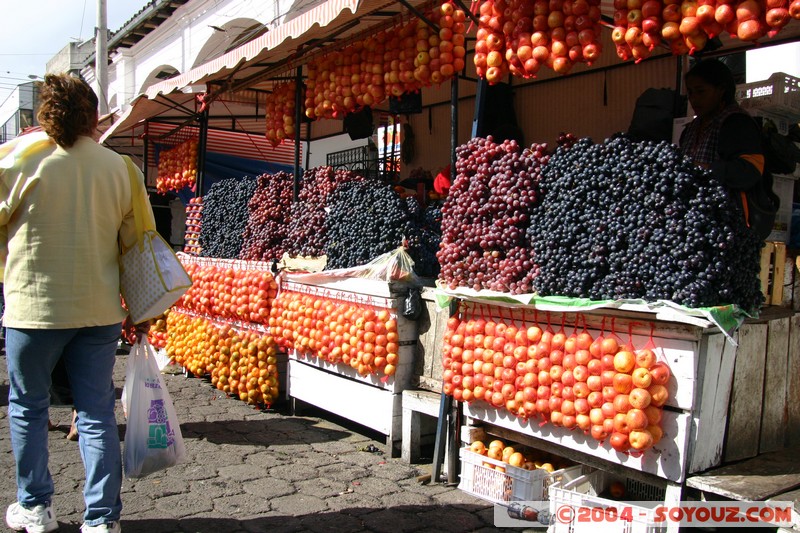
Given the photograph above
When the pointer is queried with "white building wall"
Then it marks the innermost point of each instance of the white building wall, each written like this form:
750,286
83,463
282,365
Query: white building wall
178,41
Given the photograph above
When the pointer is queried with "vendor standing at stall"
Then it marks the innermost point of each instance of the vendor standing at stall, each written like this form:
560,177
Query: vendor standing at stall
724,138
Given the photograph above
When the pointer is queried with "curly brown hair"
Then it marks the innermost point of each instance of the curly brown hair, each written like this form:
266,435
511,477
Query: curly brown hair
67,108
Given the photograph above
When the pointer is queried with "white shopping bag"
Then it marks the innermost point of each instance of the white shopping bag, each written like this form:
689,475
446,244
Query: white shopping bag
153,439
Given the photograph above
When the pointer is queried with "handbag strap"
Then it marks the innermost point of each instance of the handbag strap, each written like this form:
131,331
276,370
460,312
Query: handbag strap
139,216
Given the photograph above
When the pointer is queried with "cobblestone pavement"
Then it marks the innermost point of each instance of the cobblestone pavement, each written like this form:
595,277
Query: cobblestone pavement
249,470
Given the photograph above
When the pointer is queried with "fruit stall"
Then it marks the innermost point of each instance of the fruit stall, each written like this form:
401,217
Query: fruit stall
609,286
350,348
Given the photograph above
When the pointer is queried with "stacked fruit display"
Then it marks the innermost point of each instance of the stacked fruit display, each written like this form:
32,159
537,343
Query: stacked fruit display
177,167
636,220
280,116
687,25
225,217
365,219
606,389
268,218
241,362
157,335
486,215
521,36
339,332
194,216
306,235
224,292
401,59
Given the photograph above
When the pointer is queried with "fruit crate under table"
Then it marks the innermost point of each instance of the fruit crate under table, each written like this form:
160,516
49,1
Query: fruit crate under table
480,477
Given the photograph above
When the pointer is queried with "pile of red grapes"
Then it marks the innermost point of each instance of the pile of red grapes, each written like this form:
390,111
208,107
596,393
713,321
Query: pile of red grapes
306,234
225,217
636,220
268,213
487,214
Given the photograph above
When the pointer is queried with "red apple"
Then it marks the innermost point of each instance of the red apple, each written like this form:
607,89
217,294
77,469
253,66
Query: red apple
622,403
598,432
624,361
619,441
583,422
640,439
595,399
623,383
582,405
658,395
609,393
661,373
641,377
653,414
639,398
645,358
636,419
656,432
621,423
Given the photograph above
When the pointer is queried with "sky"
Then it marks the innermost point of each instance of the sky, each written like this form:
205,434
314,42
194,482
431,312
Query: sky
33,31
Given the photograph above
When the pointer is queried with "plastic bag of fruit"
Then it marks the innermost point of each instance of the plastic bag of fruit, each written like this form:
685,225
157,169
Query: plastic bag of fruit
396,265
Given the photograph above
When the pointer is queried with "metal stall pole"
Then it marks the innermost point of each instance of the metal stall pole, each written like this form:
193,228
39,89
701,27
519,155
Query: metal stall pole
454,420
480,102
443,427
145,154
298,117
202,142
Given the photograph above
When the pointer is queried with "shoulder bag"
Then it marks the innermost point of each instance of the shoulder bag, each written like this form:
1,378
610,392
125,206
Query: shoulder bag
151,275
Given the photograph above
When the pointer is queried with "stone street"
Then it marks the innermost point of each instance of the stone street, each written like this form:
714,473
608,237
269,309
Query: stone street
250,470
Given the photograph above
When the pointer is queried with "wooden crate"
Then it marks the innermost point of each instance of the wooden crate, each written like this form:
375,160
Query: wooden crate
373,407
702,363
764,409
773,269
431,326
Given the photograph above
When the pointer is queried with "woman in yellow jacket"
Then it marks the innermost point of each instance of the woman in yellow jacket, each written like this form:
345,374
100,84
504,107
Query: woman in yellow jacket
65,207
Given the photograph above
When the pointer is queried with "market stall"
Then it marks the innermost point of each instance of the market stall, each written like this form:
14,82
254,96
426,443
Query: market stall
530,241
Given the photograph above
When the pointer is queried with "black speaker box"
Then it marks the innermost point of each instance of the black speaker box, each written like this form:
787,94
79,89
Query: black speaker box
359,124
406,104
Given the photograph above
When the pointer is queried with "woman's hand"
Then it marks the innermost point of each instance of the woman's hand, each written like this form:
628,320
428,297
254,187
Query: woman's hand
134,332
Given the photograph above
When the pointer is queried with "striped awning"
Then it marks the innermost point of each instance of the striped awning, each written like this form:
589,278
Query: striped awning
230,143
298,36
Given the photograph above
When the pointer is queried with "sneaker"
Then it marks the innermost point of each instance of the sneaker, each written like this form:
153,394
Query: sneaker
109,527
39,519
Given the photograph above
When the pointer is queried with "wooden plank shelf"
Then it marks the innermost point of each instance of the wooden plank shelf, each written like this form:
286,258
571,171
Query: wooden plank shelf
755,479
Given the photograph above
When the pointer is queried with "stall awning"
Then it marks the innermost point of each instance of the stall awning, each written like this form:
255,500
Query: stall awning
277,51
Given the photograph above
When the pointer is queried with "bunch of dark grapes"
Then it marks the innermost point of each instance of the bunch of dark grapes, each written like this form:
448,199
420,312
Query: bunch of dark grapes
224,217
486,215
366,219
421,240
626,220
268,215
433,215
306,234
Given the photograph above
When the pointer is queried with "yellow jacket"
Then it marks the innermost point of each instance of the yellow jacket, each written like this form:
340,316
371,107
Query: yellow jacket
63,213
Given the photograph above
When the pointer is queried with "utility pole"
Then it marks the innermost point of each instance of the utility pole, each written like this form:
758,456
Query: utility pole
101,56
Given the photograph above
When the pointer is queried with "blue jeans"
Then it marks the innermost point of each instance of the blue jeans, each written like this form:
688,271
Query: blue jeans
89,354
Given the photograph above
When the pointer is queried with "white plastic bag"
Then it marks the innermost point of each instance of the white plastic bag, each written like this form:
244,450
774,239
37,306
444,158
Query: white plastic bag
153,439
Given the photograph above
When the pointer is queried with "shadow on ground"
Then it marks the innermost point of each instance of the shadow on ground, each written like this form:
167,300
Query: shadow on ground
450,518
